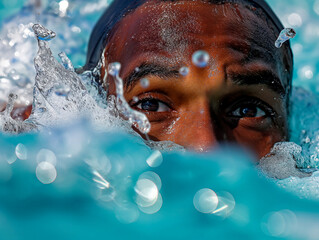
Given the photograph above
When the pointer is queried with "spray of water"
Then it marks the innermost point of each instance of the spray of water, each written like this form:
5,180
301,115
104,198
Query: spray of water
61,96
138,119
284,36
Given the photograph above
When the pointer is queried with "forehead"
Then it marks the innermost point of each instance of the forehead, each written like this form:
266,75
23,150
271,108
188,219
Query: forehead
175,30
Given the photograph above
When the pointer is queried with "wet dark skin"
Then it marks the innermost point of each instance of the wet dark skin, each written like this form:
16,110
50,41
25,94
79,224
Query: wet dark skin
238,97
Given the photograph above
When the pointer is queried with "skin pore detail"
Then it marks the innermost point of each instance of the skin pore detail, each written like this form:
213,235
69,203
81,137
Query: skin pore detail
239,97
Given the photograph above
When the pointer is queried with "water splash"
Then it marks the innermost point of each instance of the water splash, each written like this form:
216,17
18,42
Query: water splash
59,93
284,36
10,125
60,96
179,177
42,33
66,61
283,161
5,117
61,90
136,118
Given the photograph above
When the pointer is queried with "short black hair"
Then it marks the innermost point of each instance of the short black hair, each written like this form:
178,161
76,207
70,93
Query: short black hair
121,8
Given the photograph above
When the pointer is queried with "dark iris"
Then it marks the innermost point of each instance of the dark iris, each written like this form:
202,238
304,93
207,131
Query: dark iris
150,105
248,111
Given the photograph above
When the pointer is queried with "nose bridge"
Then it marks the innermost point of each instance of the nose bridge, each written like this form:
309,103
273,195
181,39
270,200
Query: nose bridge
199,134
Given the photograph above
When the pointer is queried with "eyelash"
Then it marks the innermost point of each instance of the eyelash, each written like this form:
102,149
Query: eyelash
252,101
269,112
141,100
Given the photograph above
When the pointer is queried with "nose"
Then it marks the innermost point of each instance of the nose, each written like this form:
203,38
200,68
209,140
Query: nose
196,131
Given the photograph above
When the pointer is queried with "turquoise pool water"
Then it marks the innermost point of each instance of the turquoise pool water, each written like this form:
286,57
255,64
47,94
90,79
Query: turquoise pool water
75,182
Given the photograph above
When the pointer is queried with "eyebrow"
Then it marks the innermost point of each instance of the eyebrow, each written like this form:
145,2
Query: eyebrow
146,69
265,77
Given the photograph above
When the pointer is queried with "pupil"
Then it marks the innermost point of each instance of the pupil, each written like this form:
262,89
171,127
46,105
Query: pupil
150,105
248,111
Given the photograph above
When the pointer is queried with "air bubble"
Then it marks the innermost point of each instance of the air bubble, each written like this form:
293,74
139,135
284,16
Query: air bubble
279,224
46,172
295,20
152,176
11,159
46,155
127,213
205,200
154,208
21,151
226,204
316,7
147,192
155,159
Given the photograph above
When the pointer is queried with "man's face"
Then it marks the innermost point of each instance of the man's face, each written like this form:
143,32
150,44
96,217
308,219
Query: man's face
238,97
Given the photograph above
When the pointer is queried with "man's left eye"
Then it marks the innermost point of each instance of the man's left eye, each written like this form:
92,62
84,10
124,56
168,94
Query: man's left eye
248,111
152,105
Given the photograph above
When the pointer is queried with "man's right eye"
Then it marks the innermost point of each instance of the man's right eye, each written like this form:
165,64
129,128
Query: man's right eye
249,111
152,105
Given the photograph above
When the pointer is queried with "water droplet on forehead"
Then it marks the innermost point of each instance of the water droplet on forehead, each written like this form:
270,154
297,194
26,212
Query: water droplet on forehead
135,99
200,58
184,71
144,82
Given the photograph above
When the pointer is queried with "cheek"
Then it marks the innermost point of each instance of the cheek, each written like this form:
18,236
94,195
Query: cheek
161,132
260,142
261,124
165,130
